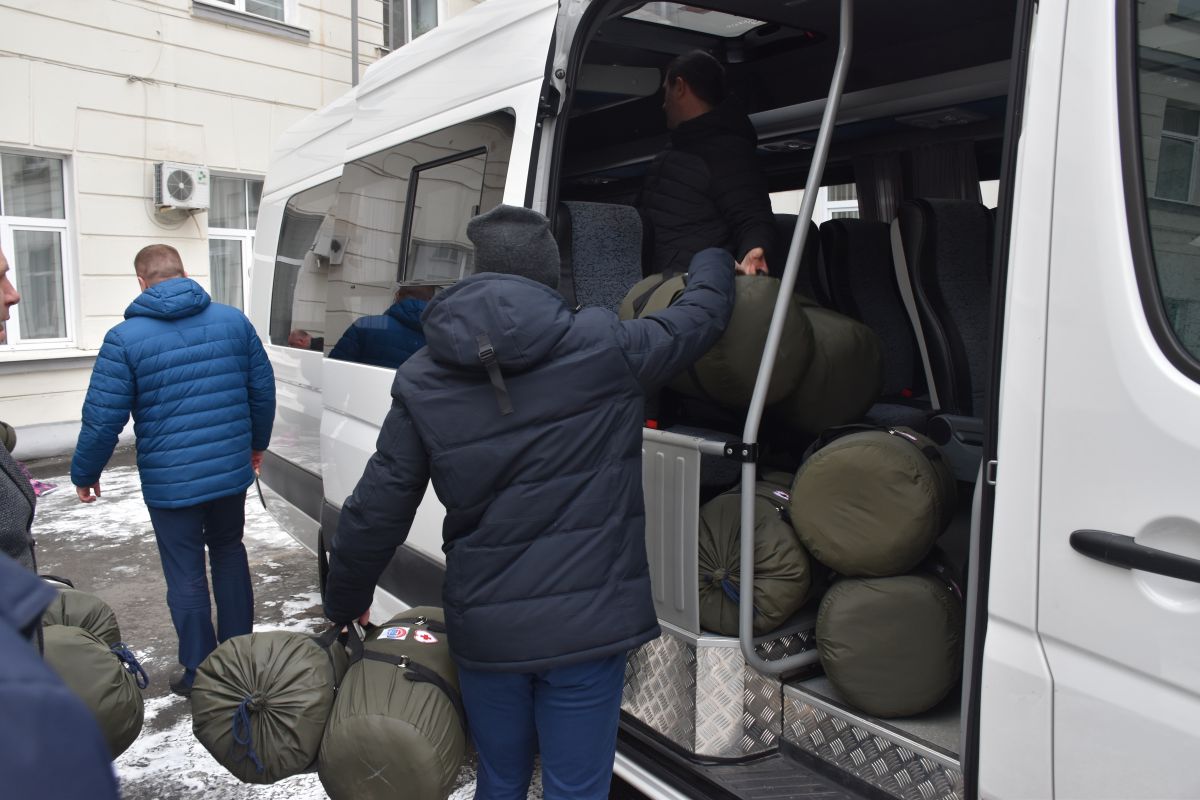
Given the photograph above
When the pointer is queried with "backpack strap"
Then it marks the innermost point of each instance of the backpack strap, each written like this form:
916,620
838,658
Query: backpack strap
487,355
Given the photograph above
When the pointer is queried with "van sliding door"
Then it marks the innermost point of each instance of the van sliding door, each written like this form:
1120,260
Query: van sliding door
1119,585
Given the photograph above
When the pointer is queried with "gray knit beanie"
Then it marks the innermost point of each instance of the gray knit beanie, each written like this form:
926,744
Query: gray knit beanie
515,241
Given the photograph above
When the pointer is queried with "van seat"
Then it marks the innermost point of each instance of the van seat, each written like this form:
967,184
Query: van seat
942,250
601,249
808,278
862,285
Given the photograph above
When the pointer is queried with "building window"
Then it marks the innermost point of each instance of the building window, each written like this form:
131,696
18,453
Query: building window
1177,161
271,9
1169,109
33,235
405,20
232,217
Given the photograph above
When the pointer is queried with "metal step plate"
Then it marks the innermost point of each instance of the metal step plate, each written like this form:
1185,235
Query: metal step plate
886,757
698,693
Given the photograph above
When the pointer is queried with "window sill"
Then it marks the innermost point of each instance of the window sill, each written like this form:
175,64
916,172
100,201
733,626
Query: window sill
250,22
17,362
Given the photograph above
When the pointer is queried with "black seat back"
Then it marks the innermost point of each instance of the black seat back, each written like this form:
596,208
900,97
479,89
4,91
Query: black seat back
808,279
857,256
944,249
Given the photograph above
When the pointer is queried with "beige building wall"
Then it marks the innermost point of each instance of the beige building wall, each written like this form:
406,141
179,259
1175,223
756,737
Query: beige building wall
114,86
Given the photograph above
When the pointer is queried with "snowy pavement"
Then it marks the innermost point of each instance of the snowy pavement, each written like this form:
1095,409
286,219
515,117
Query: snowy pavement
108,548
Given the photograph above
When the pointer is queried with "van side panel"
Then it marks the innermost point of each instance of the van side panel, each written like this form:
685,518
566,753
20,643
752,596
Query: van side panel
1121,443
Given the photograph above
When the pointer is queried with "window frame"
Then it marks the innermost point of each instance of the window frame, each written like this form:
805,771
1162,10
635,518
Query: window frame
64,227
1129,126
410,204
247,246
239,7
244,235
390,41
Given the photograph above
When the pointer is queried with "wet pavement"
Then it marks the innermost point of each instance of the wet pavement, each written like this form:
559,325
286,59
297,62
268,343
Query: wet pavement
108,548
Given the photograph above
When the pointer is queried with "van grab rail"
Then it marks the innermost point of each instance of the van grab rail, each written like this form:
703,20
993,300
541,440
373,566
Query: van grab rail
766,366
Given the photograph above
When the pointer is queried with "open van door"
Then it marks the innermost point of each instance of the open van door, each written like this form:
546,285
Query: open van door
1119,583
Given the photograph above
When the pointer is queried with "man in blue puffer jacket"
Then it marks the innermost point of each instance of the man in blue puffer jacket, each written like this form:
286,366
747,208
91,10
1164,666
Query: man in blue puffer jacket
388,339
528,420
202,393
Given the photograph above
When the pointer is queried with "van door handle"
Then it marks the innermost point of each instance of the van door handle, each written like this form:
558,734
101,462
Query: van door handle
1123,551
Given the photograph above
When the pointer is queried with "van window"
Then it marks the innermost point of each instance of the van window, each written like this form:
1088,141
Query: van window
401,223
301,264
446,195
1169,105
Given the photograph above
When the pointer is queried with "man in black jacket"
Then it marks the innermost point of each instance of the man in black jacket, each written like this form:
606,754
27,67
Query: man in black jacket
528,419
707,188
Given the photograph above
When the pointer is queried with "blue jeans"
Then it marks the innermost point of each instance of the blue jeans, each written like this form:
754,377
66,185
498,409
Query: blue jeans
182,535
568,714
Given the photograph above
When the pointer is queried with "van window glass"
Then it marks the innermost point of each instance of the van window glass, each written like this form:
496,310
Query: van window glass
447,194
1169,94
401,221
301,269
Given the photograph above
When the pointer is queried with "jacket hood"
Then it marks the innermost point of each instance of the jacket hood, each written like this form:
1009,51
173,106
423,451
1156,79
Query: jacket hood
408,312
23,595
727,118
523,320
172,299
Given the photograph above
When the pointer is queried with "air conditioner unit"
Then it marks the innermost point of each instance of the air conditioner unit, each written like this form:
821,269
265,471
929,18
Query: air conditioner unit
180,186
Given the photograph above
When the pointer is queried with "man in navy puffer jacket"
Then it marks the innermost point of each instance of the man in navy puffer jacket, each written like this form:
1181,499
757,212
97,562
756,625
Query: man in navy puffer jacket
528,420
196,378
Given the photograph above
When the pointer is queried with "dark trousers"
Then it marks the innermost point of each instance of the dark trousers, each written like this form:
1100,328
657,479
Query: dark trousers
183,534
568,714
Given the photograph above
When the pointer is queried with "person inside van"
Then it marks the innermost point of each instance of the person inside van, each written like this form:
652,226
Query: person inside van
390,338
528,420
707,188
304,340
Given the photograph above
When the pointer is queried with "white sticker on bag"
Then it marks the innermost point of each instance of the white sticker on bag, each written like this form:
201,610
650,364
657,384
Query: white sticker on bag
399,634
425,637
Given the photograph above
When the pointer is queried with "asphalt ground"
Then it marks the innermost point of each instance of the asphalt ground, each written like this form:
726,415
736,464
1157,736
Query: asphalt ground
108,548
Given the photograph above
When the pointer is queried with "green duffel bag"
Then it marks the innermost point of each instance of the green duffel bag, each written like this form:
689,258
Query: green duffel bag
398,729
260,701
844,379
107,678
82,610
892,647
726,373
871,502
782,578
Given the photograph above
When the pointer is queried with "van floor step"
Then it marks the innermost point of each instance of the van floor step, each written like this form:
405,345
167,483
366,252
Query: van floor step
786,775
779,777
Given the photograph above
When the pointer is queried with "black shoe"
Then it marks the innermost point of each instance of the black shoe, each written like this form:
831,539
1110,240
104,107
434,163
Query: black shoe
181,684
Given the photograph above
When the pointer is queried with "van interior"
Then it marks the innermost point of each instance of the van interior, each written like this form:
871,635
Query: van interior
906,250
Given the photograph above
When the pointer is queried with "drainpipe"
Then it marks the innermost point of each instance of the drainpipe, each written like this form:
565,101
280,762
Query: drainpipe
354,42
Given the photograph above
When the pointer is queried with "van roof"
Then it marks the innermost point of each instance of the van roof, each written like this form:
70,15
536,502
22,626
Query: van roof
480,53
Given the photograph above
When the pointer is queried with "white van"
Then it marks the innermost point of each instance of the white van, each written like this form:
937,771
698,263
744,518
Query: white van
1057,348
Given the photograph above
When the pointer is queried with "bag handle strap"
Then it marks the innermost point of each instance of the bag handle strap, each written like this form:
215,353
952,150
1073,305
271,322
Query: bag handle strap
419,673
830,435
